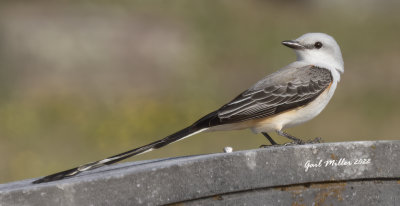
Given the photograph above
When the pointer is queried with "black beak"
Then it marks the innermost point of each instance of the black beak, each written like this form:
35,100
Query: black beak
293,44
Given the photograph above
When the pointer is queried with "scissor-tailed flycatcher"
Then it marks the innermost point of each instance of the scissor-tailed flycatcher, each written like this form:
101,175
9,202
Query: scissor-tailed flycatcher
288,97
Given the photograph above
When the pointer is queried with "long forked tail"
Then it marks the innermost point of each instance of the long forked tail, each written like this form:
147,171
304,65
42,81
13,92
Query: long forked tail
189,131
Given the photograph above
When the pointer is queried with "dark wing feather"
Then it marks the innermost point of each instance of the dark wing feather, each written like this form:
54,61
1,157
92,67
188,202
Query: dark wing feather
275,94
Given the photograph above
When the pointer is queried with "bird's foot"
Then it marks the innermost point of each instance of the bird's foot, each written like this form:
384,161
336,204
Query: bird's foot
315,140
301,142
270,145
294,143
286,144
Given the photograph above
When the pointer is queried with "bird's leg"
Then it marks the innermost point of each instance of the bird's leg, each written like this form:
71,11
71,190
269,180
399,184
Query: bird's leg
284,134
269,138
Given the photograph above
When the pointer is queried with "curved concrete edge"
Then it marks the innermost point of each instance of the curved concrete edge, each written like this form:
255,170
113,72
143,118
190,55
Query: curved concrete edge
346,193
180,179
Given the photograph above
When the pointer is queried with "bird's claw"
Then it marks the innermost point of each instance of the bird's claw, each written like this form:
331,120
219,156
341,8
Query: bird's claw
294,143
315,140
300,142
270,145
312,141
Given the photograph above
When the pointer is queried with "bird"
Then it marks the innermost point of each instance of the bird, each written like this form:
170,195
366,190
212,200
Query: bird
288,97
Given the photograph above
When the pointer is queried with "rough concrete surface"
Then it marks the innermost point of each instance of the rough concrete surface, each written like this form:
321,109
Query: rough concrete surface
345,173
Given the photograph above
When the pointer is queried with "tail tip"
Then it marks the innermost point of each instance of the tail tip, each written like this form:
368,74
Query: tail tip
57,176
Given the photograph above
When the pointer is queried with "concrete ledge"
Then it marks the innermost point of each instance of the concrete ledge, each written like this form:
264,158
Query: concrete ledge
336,173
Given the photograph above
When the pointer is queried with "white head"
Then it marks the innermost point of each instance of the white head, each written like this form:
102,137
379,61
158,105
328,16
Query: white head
318,49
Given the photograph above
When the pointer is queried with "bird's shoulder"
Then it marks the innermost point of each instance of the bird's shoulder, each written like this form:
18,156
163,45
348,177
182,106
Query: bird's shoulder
292,74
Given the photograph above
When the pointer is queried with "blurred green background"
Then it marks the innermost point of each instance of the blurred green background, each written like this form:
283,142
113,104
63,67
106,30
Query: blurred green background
83,80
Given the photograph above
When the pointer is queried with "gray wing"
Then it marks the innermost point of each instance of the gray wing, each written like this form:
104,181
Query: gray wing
281,91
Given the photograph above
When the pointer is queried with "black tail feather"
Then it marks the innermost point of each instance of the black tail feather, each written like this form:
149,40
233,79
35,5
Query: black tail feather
119,157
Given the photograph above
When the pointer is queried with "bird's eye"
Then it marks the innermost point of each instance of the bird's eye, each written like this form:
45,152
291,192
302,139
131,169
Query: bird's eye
318,45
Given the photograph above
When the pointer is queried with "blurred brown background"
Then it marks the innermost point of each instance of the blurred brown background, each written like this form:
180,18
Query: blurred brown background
82,80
